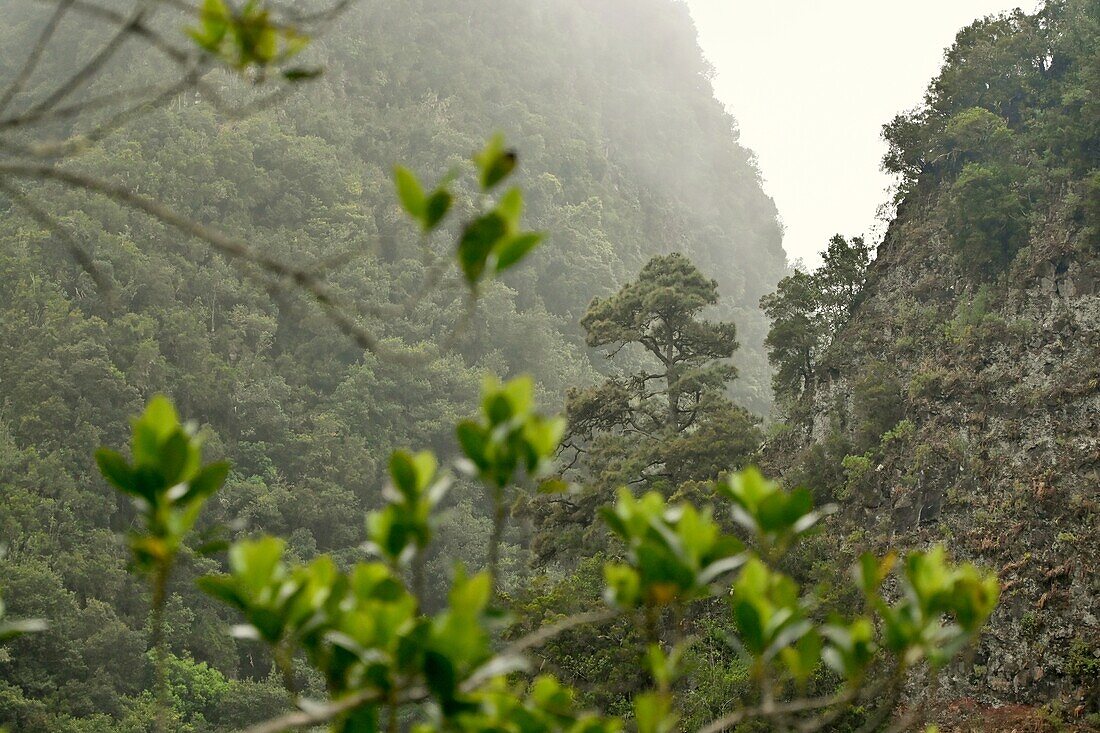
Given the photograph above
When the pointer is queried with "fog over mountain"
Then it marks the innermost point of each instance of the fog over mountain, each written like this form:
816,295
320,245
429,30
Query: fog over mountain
438,366
811,85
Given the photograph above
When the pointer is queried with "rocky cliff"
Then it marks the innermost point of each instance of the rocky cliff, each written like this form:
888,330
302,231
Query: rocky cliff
961,402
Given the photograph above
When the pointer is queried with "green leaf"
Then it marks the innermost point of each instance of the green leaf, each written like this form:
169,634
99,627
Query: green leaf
254,562
267,45
802,659
161,417
440,675
436,207
363,719
214,18
653,713
294,43
520,393
403,473
210,479
718,568
383,529
749,626
501,168
410,193
623,585
471,595
664,669
214,10
515,248
222,587
478,240
116,470
511,206
205,40
473,440
175,454
870,572
495,162
425,466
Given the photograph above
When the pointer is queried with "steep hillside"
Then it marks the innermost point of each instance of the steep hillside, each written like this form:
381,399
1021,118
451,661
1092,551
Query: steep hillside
624,153
961,402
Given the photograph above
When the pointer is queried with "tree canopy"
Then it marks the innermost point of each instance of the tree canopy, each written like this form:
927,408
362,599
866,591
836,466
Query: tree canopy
808,309
663,421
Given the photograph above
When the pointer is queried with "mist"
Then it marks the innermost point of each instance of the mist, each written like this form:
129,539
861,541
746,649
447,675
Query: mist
549,366
811,85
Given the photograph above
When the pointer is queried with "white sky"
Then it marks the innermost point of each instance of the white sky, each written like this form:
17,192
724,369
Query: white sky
811,83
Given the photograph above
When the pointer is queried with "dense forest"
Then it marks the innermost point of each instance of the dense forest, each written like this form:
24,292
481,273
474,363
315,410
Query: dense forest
615,169
627,273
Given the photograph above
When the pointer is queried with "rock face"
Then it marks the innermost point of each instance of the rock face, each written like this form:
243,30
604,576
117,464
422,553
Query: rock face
960,402
988,402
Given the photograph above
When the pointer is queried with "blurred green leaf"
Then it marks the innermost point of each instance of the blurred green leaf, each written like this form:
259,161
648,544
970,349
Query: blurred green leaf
513,249
478,240
495,163
436,207
409,192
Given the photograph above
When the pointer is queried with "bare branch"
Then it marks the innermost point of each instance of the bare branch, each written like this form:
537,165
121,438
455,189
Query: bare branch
44,219
320,16
31,62
886,708
771,710
138,28
78,143
89,105
542,635
325,713
237,112
88,70
224,243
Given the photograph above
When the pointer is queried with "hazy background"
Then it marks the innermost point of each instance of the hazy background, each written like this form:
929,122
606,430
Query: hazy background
812,82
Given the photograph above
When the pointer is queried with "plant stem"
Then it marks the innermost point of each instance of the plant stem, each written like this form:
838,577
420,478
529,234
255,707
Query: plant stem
160,651
392,723
418,579
650,618
493,562
285,662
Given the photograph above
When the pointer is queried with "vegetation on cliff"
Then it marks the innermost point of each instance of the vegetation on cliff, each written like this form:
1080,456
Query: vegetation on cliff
957,398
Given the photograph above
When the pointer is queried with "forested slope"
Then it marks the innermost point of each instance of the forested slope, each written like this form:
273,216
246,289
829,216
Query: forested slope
624,154
961,401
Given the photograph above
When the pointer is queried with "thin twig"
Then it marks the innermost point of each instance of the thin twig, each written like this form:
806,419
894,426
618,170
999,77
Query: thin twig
492,562
75,250
325,713
160,650
80,142
224,243
284,660
139,28
241,111
101,101
31,62
542,635
318,16
894,685
88,70
770,710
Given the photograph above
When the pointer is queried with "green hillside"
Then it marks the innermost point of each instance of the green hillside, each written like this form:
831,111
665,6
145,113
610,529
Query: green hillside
624,153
